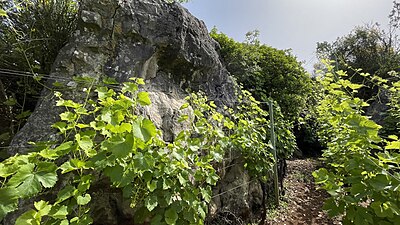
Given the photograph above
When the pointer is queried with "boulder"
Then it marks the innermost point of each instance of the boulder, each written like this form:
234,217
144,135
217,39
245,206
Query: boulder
171,49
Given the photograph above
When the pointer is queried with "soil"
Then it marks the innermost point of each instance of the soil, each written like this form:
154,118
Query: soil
302,202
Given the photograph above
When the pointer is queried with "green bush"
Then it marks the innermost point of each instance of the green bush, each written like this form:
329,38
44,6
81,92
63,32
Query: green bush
266,72
362,174
165,182
32,33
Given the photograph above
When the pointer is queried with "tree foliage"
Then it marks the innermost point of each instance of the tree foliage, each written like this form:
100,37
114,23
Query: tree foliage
362,167
32,33
369,48
266,72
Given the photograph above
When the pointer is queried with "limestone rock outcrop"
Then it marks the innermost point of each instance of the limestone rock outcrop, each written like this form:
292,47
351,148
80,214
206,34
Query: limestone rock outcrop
168,47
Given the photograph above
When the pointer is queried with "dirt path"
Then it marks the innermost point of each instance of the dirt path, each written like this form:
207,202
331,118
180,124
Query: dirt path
302,203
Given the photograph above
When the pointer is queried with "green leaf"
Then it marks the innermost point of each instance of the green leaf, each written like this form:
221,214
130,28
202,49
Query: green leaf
85,183
23,172
110,80
29,187
6,208
381,209
152,185
141,215
68,116
67,167
85,142
8,201
23,115
114,173
26,181
65,193
8,195
184,106
10,102
83,200
182,180
167,183
157,220
393,145
393,137
42,207
380,182
151,202
104,92
201,211
3,13
183,118
68,103
144,129
120,146
29,218
61,150
143,98
47,179
171,216
355,86
129,87
61,126
206,193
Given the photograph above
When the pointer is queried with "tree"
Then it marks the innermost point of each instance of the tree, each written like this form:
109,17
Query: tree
32,33
266,71
369,48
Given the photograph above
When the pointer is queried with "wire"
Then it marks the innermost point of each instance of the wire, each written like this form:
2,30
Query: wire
234,188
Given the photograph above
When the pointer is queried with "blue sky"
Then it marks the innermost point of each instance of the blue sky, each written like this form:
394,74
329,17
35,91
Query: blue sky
294,24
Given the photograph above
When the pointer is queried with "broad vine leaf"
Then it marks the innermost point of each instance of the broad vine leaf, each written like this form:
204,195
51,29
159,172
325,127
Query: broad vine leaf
26,181
171,216
3,13
59,212
206,193
143,98
380,182
29,218
42,207
61,150
129,87
8,201
46,174
85,142
182,180
65,193
120,146
68,116
151,202
6,208
144,129
152,185
393,145
115,173
47,179
83,200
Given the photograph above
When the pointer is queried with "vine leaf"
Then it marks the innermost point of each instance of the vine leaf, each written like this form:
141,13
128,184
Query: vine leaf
3,13
83,200
151,202
144,129
29,218
119,146
143,98
171,216
8,201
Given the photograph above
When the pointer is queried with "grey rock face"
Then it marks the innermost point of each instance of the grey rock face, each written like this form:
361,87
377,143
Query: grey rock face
173,52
